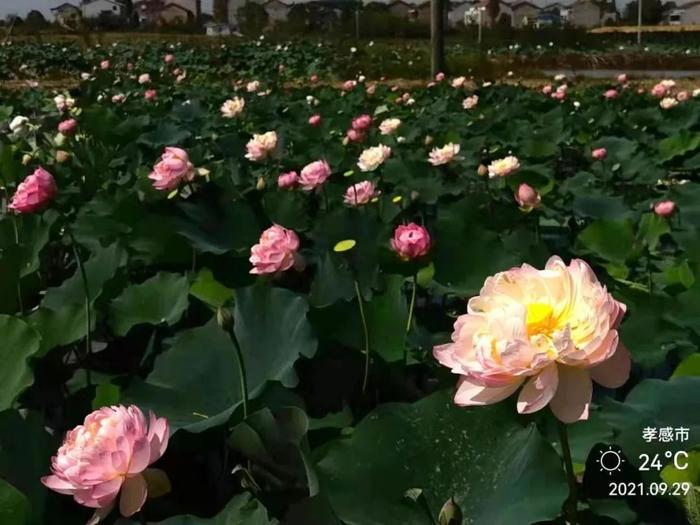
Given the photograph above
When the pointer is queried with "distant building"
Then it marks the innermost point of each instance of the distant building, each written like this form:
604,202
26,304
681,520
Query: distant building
524,14
165,12
688,13
217,29
66,14
95,8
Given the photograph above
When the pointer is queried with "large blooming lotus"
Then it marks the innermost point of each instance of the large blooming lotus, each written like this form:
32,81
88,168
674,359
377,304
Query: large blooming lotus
372,158
550,331
261,146
107,455
275,252
503,167
444,155
173,169
34,193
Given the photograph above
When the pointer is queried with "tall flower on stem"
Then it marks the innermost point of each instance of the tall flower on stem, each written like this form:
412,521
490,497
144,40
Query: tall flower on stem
108,457
410,241
547,333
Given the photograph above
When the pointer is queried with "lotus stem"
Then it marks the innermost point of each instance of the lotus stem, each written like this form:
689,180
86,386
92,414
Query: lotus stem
88,306
571,503
366,333
409,321
20,303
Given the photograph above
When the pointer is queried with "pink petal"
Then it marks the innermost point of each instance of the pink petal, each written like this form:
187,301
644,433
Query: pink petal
57,484
614,372
140,456
133,496
538,390
471,394
570,403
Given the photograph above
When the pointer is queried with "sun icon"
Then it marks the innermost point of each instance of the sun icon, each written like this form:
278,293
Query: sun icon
610,460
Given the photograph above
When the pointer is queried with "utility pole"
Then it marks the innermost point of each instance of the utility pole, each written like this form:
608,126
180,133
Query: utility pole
639,22
437,37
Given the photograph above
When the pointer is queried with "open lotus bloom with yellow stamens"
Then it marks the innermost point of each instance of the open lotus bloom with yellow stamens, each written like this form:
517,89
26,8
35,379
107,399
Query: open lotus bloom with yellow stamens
548,331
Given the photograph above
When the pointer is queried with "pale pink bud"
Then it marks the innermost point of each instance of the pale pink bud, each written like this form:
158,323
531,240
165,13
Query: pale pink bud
287,181
440,77
169,58
104,64
527,196
150,95
610,94
362,123
315,120
599,153
67,127
665,208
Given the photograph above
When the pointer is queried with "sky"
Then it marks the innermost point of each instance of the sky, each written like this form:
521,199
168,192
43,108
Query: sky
22,7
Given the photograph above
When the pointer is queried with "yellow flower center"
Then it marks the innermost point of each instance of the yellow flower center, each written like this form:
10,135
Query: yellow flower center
540,319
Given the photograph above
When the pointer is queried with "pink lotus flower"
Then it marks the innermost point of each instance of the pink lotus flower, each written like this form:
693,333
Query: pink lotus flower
547,89
119,98
104,64
410,241
361,123
34,192
470,102
314,120
106,455
610,94
559,95
659,90
504,167
169,58
444,155
355,136
314,175
360,193
67,127
275,252
261,147
288,181
622,78
145,78
371,158
682,96
371,89
527,197
173,169
389,126
548,331
349,85
150,95
314,79
440,77
665,208
599,153
253,86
